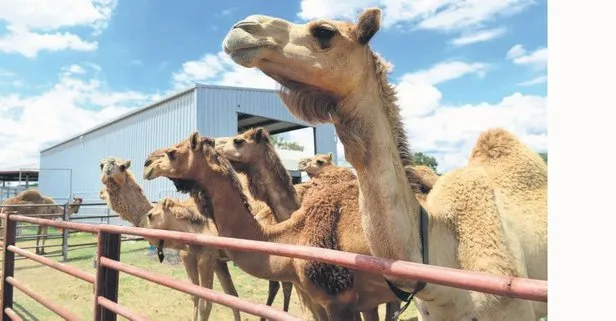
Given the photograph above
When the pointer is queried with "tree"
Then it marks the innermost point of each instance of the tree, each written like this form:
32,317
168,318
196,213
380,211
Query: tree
544,155
420,158
288,145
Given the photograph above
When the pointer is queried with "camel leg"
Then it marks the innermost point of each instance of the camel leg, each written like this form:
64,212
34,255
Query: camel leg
390,309
287,288
271,293
39,239
44,231
224,277
190,265
206,279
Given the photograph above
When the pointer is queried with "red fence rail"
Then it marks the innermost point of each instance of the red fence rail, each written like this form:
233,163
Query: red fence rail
108,268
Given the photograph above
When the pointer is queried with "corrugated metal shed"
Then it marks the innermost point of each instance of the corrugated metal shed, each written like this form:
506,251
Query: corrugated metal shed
71,167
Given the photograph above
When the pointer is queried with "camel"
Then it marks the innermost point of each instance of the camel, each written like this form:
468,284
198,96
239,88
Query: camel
31,197
328,218
489,216
312,165
426,178
125,197
253,156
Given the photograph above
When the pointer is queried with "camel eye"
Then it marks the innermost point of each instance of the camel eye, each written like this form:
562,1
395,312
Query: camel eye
238,141
102,166
171,154
320,162
323,32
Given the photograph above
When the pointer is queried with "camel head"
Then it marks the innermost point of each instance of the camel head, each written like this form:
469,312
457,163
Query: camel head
114,171
318,63
157,218
182,162
248,147
73,207
312,165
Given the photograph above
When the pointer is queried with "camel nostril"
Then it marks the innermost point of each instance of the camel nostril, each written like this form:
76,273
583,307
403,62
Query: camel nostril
147,163
247,25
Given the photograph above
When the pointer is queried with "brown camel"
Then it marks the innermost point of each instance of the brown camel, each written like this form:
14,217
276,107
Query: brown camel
125,197
490,216
34,197
252,154
329,218
426,178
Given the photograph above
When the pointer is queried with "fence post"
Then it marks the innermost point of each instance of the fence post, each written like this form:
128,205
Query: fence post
107,280
8,268
65,218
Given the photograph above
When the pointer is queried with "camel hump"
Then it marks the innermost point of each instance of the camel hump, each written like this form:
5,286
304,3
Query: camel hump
30,195
495,143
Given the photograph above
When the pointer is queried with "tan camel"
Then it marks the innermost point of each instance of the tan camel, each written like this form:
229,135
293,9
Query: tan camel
312,165
200,262
252,154
328,218
34,197
125,197
490,216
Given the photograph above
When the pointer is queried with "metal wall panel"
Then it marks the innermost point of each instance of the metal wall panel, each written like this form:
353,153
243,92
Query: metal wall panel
131,138
210,109
217,109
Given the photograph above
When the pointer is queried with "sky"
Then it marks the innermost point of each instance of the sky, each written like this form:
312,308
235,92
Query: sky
460,67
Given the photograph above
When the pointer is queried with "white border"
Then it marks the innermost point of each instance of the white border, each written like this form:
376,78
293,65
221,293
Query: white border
581,89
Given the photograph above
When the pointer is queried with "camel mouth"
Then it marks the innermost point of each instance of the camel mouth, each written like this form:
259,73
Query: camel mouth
148,174
244,48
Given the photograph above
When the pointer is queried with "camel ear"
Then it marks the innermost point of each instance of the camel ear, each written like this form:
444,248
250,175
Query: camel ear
166,203
368,24
124,165
261,134
194,140
330,156
208,141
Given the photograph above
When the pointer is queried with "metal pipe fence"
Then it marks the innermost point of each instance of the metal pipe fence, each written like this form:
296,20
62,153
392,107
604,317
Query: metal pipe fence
106,280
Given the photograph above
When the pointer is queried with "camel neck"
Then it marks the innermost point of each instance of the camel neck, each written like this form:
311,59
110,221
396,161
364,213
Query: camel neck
234,219
133,204
271,184
390,212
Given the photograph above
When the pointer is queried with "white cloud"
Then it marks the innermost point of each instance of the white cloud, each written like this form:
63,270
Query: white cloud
478,36
219,69
52,15
446,71
72,105
29,44
520,56
30,31
534,81
445,15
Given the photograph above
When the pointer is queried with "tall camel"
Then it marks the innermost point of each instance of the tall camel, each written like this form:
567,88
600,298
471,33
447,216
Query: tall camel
328,218
252,154
490,216
125,197
34,197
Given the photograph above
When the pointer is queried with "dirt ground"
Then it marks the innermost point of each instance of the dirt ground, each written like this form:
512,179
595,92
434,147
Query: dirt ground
150,300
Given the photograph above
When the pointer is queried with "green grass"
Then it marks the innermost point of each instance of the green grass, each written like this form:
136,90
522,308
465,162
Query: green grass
151,300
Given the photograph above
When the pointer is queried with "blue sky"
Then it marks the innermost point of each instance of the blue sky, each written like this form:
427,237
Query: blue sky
93,60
